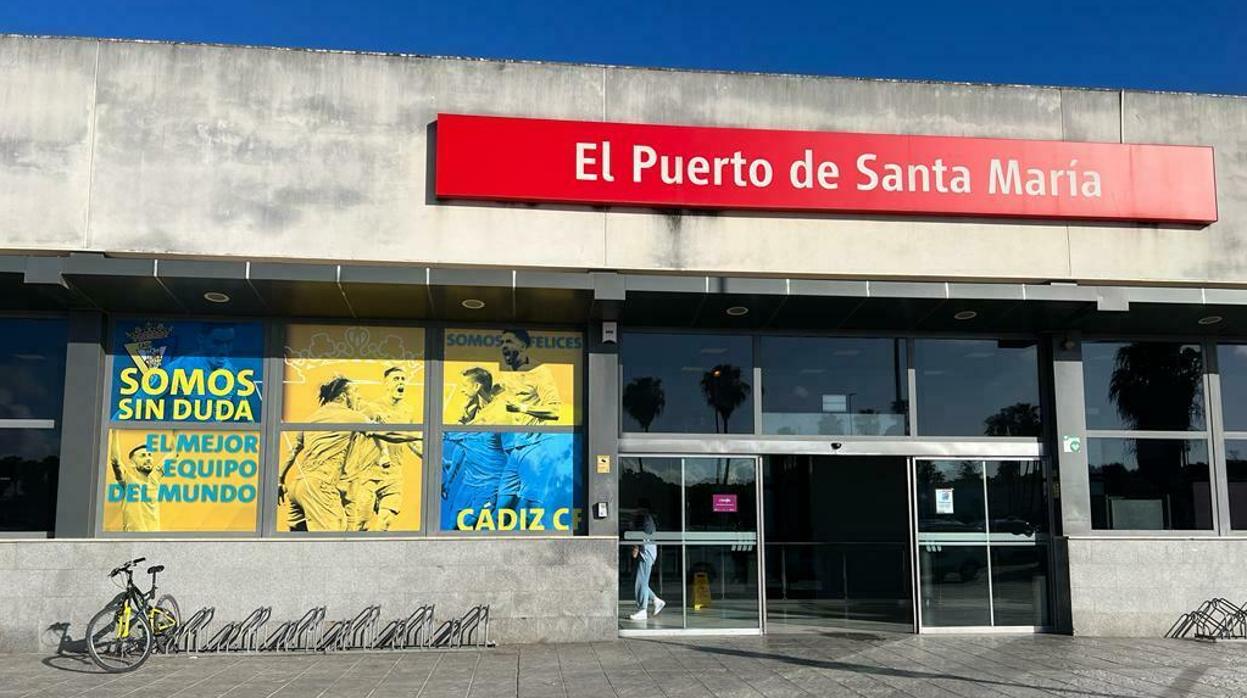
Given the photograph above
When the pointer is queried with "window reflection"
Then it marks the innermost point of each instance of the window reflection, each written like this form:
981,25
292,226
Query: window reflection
977,387
690,383
1015,498
839,386
1144,386
1236,478
29,459
32,368
650,495
1149,484
1232,365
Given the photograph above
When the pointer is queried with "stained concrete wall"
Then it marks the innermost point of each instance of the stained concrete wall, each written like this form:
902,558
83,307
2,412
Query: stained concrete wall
1140,586
539,590
212,151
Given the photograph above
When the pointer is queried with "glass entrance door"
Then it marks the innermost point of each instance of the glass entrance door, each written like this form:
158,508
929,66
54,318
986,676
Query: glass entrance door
837,543
982,536
688,544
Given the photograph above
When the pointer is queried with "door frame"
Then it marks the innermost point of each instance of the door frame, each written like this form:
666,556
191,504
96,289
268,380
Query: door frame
759,553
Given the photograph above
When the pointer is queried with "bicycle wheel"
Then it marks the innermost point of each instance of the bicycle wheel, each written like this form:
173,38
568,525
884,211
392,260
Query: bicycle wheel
168,615
116,652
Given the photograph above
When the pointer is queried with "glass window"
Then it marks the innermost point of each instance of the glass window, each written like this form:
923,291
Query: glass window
977,387
29,462
512,377
1144,386
1015,498
687,383
32,368
187,371
1020,584
1236,476
531,479
340,476
1232,365
1149,484
839,386
163,480
650,495
32,385
160,473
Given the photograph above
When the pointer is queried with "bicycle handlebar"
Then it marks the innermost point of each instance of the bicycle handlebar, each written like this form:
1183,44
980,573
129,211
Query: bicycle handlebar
126,567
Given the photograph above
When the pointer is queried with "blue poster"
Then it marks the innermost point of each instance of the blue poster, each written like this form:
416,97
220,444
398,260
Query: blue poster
187,371
511,481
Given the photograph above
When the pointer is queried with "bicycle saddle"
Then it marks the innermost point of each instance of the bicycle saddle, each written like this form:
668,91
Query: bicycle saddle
155,568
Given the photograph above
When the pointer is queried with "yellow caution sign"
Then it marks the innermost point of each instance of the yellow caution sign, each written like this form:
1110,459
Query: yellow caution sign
701,590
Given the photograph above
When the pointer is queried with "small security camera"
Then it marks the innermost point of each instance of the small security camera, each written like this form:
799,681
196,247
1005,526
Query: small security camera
835,445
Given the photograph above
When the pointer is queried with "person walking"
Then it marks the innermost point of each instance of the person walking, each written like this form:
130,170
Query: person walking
647,551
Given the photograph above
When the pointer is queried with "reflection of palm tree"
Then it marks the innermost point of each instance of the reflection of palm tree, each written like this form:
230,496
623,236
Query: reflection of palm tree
1157,385
1018,419
644,399
724,391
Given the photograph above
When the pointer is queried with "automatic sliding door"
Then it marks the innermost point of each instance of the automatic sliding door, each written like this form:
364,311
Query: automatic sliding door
837,543
982,543
721,542
688,536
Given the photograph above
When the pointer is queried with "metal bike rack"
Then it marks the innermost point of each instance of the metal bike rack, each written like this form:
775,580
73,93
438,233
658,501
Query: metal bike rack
461,631
1215,619
411,632
311,633
187,638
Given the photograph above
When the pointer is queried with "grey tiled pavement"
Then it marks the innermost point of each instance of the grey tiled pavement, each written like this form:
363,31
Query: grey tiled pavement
846,664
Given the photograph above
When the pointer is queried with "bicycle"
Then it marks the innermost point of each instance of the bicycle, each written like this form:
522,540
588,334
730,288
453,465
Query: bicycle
122,635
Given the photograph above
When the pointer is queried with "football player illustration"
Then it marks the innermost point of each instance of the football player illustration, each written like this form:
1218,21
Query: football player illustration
532,399
473,461
139,469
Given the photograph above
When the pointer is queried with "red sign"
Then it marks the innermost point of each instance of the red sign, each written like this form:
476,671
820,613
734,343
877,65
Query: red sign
723,503
595,162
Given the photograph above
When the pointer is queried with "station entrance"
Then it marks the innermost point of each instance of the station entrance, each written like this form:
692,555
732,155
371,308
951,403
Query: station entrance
810,543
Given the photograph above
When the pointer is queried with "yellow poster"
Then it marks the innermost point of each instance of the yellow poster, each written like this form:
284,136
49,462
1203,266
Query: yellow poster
350,480
380,370
181,480
512,377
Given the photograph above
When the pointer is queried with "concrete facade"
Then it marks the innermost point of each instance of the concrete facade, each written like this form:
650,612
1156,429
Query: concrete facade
206,151
156,151
538,589
1140,586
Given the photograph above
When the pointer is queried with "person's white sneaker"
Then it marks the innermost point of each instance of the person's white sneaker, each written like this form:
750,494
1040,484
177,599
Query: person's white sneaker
639,615
659,604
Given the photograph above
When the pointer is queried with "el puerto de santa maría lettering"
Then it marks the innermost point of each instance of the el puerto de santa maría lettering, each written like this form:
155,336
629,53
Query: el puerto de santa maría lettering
1004,176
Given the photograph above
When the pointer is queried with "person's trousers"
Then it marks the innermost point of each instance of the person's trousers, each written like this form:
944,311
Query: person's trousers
641,590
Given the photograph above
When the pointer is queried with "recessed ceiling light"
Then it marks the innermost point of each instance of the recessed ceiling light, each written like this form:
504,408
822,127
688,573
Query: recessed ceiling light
737,311
216,297
473,303
1210,320
965,315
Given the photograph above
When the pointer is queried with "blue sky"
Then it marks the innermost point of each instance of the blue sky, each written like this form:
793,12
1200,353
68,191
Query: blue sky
1197,45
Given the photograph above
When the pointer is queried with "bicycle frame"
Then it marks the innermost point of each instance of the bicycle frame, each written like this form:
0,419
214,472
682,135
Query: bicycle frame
139,600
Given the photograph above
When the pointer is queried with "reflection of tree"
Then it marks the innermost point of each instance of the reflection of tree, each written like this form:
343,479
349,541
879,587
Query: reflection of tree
27,492
1018,419
644,399
724,392
1156,385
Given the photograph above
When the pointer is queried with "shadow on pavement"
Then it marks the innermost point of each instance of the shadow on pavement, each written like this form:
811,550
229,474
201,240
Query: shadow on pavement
874,670
74,663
